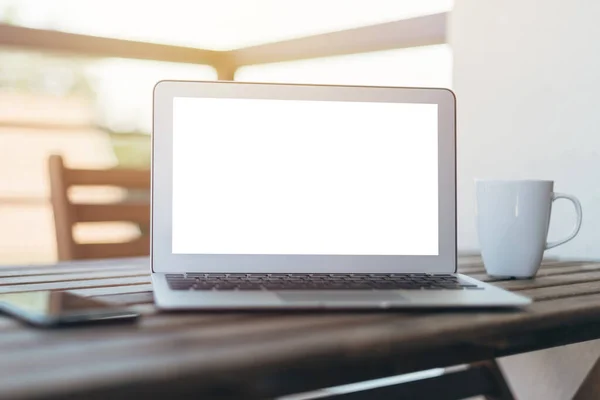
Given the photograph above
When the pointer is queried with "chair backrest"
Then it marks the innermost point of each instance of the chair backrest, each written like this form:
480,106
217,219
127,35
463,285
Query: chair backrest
68,213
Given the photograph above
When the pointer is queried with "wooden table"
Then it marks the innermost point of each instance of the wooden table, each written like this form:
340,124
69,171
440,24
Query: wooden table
267,354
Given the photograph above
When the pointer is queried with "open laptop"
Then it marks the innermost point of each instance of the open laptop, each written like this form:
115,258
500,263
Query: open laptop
269,196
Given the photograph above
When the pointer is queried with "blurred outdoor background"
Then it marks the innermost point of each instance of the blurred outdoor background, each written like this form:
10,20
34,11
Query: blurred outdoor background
97,111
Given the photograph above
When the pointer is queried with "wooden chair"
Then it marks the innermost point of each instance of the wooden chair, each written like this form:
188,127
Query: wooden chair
68,213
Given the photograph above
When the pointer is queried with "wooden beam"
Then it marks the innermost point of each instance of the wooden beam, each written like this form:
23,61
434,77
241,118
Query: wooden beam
420,31
226,71
116,212
127,178
502,390
85,45
590,387
136,247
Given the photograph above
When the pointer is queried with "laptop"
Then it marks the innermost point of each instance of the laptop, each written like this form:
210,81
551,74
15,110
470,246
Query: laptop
280,196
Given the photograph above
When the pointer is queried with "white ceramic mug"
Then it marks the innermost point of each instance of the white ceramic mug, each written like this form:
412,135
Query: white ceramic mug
512,222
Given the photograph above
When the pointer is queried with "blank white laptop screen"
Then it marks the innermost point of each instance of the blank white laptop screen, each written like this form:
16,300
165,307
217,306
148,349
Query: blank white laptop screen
304,177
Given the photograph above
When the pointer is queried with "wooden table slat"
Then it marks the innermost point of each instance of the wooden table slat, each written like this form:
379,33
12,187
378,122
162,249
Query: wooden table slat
70,277
384,338
126,298
136,280
549,265
556,270
563,291
68,270
113,290
142,262
206,331
547,281
258,352
422,329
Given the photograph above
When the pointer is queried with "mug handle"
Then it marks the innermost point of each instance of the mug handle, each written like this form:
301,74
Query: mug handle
577,204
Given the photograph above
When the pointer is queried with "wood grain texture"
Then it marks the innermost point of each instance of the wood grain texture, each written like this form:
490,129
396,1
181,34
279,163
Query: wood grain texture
555,269
549,281
267,354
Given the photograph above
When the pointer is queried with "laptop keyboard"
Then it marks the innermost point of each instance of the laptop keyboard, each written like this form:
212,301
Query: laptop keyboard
275,282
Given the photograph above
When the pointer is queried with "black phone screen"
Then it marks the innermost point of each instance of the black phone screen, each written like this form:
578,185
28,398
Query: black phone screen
48,307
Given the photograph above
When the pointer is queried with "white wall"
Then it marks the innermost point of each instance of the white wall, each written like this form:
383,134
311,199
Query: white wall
527,79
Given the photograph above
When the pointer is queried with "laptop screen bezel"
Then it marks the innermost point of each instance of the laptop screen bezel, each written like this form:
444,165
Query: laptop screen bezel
162,258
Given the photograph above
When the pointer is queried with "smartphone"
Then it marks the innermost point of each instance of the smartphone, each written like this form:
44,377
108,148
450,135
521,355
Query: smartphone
50,309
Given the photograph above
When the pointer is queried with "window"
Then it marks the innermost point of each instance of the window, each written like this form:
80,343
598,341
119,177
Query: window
97,113
123,89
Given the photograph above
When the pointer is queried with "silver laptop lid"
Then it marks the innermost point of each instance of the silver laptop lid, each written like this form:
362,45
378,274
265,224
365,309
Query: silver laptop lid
302,178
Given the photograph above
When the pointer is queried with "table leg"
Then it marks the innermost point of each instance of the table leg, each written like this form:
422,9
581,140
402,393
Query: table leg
503,392
558,373
590,387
